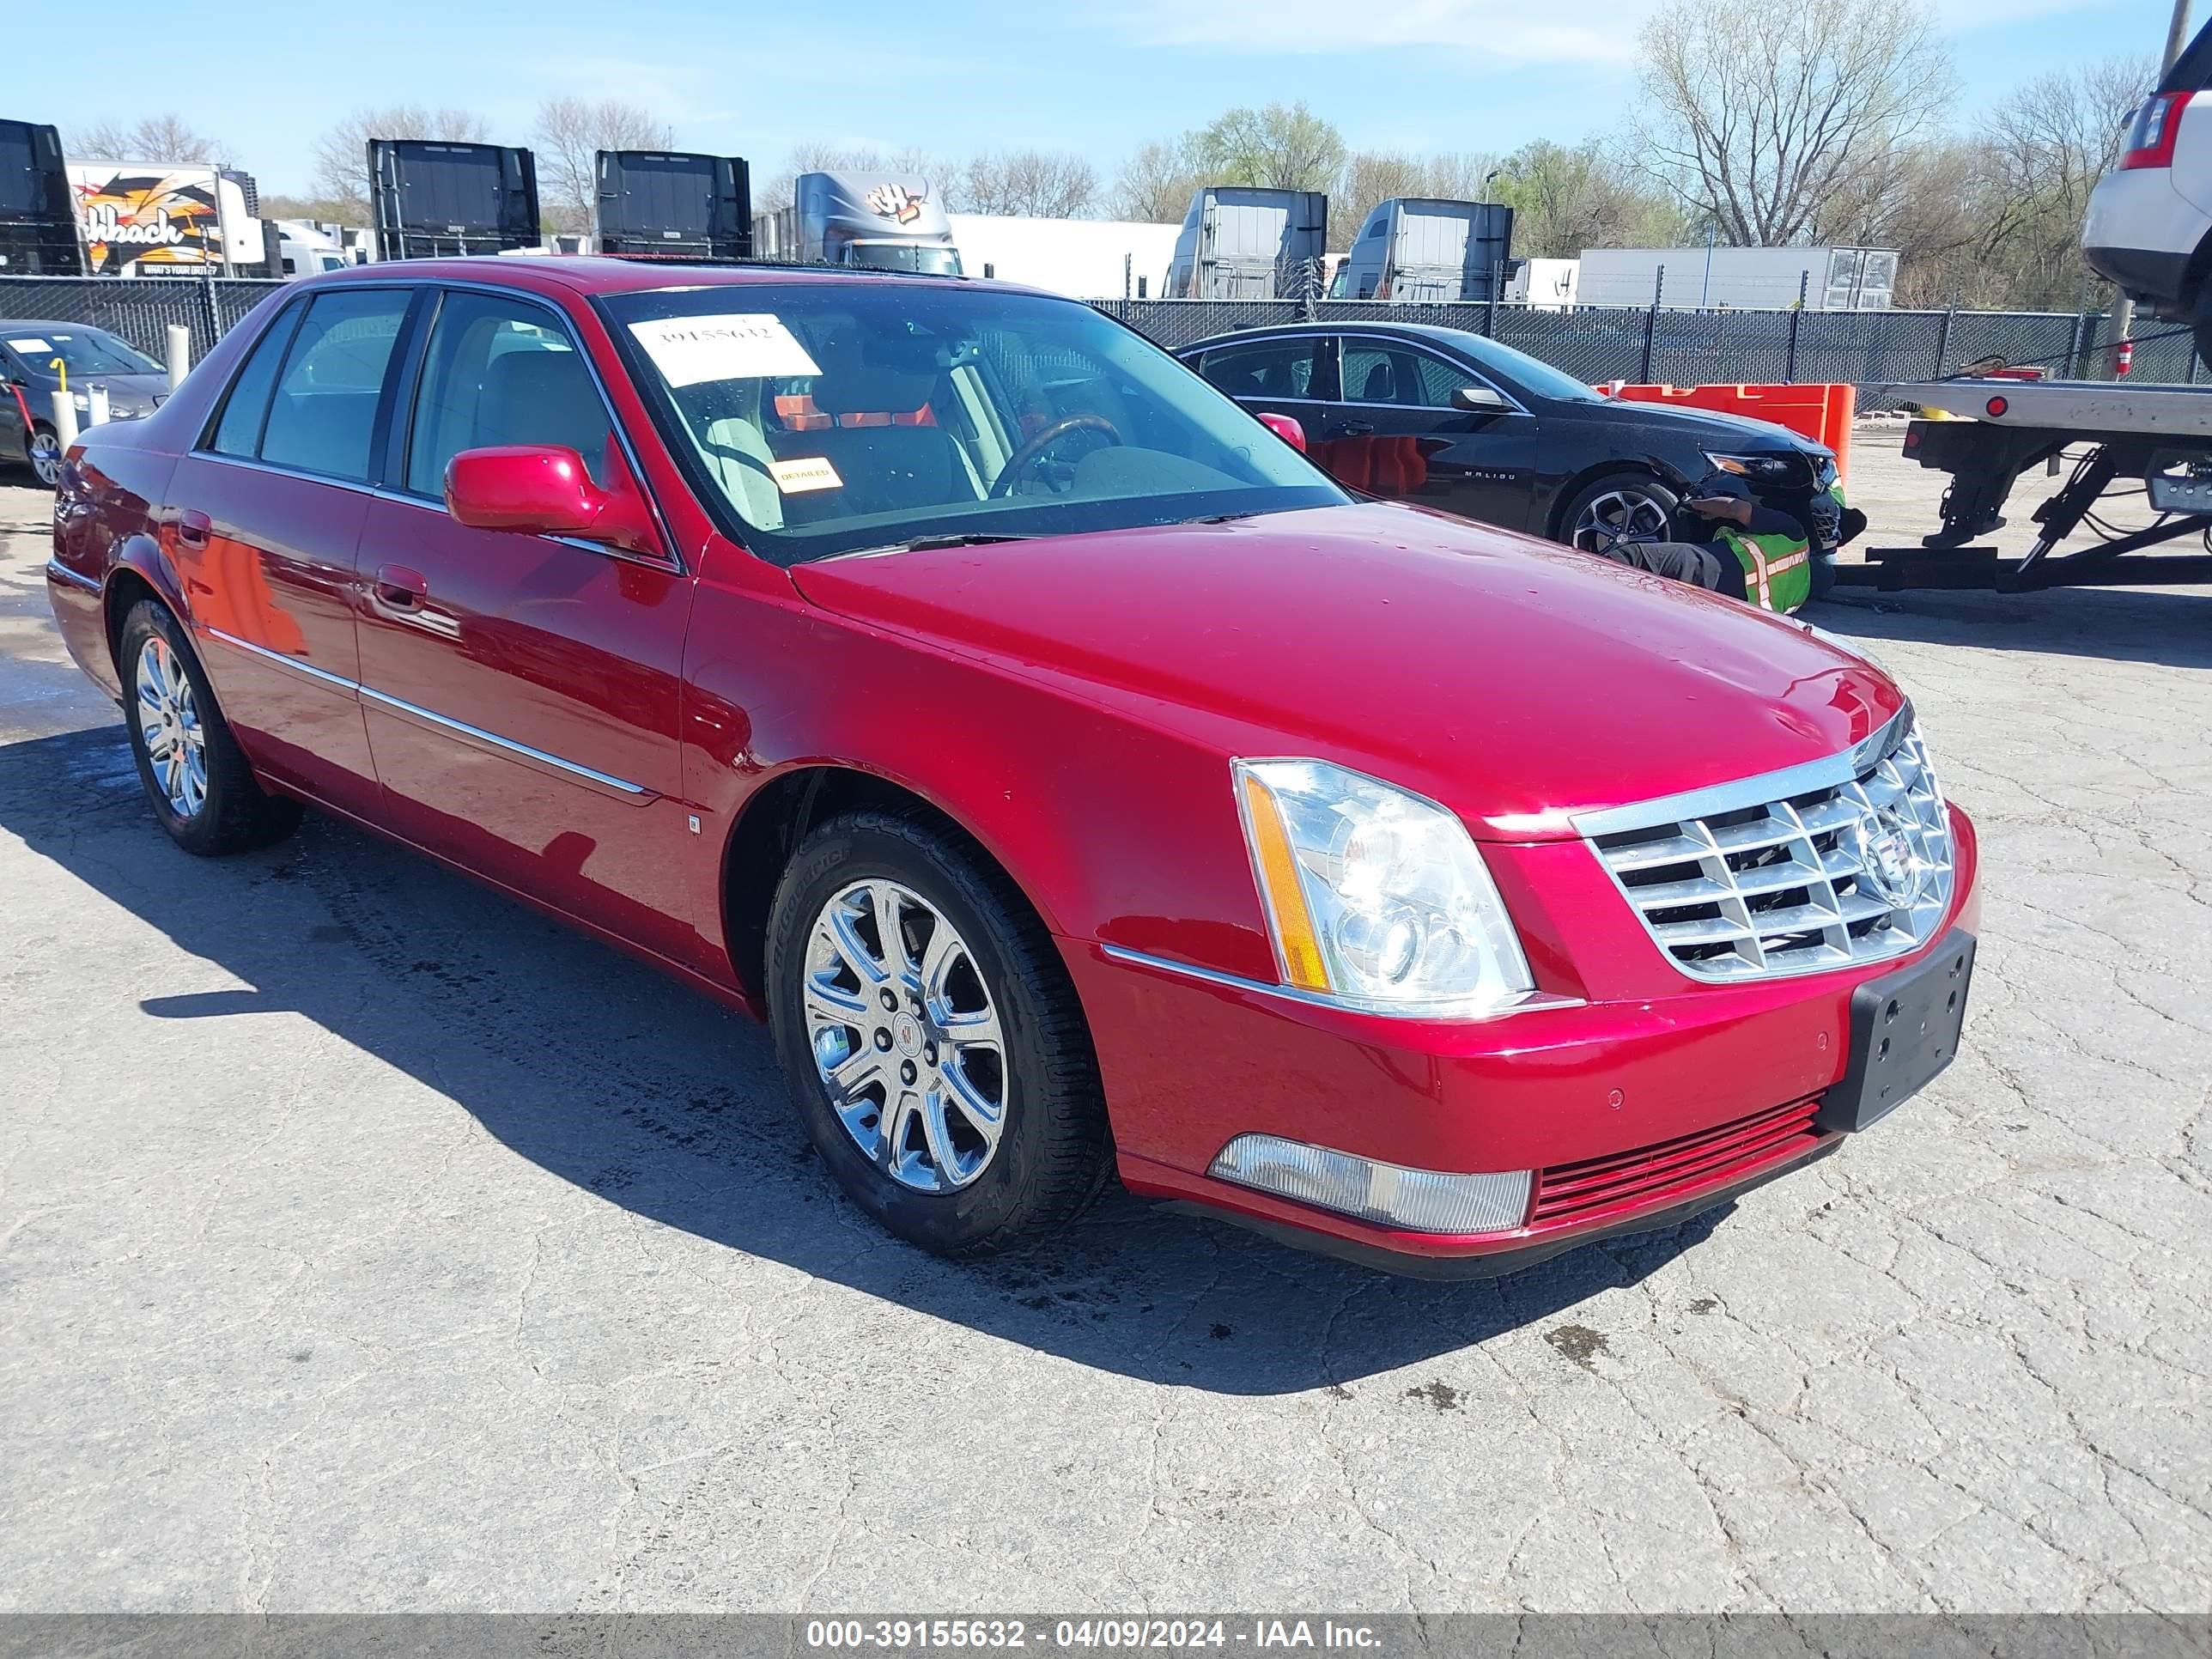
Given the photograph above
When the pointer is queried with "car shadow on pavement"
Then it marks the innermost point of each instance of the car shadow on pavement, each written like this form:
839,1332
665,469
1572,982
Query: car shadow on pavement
598,1069
2171,626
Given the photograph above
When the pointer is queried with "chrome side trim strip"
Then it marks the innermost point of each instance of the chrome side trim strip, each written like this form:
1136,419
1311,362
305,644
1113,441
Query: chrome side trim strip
322,675
462,728
1530,1002
1830,773
55,568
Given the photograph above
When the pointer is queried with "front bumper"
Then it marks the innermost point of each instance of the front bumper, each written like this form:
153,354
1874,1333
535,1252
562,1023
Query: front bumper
1636,1109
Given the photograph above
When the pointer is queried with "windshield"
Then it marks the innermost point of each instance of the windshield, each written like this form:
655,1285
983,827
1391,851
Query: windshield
828,417
85,351
933,258
1538,378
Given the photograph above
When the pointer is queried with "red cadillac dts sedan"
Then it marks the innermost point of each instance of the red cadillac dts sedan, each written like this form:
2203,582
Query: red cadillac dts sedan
1073,776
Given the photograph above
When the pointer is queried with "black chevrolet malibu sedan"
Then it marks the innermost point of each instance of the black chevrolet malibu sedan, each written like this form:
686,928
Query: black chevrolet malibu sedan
1454,420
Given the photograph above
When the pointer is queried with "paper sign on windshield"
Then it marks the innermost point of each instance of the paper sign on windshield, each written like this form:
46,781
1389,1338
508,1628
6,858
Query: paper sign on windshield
30,345
733,346
811,472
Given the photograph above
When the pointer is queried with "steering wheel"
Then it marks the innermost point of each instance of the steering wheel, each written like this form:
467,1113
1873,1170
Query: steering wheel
1022,459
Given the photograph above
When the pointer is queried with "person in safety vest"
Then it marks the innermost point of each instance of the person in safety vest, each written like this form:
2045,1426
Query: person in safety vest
1754,552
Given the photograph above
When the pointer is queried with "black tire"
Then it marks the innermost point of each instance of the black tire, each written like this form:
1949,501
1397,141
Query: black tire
1641,484
1824,574
1054,1151
235,814
40,438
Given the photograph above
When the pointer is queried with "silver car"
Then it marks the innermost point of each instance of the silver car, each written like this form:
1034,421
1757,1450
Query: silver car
37,357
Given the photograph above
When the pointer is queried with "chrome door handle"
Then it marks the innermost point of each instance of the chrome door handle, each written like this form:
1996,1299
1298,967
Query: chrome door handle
400,587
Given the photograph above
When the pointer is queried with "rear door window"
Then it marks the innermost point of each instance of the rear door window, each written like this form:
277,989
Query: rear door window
323,416
1268,370
239,431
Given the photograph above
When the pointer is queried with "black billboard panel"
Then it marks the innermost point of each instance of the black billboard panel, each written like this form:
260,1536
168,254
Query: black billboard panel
430,198
675,203
38,218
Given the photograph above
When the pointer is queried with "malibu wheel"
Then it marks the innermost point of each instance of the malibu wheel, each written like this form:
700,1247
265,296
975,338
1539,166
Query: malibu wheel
933,1042
197,782
1619,508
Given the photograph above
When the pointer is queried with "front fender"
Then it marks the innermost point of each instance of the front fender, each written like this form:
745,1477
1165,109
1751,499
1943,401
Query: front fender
1116,830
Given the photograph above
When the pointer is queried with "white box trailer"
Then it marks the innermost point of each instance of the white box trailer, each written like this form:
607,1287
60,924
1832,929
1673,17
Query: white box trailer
1545,284
1738,278
1083,259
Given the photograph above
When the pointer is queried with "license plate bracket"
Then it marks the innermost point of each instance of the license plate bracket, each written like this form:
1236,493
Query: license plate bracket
1905,1030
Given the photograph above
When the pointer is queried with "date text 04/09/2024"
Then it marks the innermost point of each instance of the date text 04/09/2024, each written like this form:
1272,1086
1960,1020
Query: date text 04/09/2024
897,1634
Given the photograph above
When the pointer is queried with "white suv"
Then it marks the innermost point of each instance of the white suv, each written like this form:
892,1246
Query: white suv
2149,227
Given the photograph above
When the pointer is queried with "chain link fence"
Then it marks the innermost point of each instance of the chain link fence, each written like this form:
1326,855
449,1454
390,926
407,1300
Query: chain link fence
1594,343
138,309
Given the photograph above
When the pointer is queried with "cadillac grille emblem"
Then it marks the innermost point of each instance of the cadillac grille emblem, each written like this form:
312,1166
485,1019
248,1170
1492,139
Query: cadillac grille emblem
1888,865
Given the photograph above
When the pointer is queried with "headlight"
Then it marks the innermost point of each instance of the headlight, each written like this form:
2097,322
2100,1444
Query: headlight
1376,897
1761,469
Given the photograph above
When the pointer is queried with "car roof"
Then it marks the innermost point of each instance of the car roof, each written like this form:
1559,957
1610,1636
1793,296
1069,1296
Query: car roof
32,325
1429,333
589,274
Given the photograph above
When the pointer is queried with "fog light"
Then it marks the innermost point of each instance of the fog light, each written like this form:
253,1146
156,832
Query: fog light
1419,1200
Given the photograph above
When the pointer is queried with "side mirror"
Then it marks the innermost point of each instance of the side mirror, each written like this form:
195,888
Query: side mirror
1479,400
1287,430
542,489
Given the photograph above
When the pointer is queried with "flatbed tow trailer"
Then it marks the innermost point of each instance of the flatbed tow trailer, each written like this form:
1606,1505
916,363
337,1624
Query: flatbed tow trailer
2134,441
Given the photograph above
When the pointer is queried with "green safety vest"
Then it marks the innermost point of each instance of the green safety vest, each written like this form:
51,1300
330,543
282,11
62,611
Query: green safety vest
1778,570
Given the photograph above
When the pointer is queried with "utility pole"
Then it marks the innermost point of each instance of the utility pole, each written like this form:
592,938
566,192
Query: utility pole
2177,37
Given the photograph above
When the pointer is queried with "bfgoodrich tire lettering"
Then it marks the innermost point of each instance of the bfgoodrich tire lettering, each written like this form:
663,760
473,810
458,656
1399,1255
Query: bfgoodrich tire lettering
1050,1151
196,778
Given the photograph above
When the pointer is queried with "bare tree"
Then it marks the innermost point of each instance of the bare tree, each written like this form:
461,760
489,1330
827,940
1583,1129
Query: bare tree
1156,184
1371,177
816,156
151,138
341,155
1757,113
570,134
1038,183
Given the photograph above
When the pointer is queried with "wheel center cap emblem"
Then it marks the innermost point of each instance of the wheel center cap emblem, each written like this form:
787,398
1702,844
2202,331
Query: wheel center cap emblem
905,1035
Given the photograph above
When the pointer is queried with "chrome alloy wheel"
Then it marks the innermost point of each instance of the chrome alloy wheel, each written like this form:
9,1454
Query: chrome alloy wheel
46,451
169,725
1619,516
906,1035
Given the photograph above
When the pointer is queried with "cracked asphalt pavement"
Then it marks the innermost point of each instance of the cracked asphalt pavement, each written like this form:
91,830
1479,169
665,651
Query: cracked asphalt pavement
368,1243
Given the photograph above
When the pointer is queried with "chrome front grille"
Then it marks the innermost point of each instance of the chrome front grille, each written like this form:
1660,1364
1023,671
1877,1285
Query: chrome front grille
1823,865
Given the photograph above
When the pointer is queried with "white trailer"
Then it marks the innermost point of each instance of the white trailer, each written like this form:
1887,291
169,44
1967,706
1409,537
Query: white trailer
1546,284
1738,278
1083,259
159,219
2157,436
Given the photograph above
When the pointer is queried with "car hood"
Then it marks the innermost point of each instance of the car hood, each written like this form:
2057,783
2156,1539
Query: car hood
1515,681
1724,434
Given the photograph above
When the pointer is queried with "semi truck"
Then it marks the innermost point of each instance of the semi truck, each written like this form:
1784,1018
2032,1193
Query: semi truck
1244,242
428,197
38,224
672,203
892,221
1744,279
1416,248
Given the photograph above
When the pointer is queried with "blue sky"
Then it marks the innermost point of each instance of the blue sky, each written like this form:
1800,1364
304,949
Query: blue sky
1097,76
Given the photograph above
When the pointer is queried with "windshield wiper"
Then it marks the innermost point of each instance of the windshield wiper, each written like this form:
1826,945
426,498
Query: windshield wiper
962,538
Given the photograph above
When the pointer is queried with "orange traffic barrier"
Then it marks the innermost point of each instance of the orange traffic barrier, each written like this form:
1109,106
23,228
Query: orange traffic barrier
1822,413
